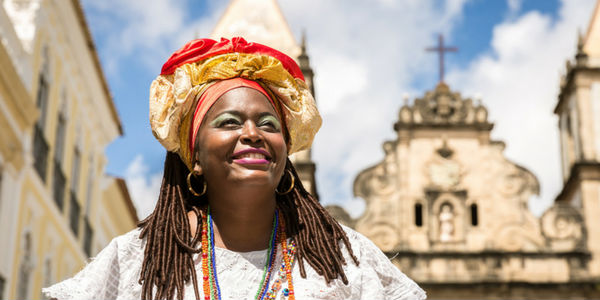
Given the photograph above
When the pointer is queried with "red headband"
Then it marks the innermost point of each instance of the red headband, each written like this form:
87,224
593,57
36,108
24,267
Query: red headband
212,94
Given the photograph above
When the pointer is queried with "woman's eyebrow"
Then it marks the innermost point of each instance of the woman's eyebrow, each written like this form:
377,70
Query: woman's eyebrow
231,112
267,113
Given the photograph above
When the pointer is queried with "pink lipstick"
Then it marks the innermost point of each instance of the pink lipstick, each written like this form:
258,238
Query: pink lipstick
251,156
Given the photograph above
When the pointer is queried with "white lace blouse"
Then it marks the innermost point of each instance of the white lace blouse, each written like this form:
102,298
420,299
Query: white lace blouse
114,274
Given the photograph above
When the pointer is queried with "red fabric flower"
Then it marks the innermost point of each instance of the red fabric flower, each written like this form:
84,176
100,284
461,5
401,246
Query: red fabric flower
201,49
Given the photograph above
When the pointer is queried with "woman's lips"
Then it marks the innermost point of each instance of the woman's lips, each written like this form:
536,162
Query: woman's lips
251,156
251,161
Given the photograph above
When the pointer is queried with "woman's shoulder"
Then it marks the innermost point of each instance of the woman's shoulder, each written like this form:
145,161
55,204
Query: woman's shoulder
378,271
361,245
129,240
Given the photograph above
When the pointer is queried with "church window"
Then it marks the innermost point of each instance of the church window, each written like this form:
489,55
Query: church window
40,145
419,214
474,216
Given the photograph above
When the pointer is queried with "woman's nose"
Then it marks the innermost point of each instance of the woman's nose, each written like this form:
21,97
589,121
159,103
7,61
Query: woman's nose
251,133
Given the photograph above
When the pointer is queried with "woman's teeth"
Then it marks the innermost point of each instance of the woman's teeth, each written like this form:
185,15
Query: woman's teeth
252,156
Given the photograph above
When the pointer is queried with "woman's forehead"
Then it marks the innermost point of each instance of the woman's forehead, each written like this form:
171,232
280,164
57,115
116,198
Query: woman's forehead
242,99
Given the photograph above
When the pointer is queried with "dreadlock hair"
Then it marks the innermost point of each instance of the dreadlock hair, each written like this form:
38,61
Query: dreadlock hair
168,263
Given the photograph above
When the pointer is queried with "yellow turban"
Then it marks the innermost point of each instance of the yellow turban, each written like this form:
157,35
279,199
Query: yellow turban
191,70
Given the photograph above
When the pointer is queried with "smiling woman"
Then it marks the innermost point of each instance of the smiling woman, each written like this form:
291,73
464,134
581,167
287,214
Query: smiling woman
233,220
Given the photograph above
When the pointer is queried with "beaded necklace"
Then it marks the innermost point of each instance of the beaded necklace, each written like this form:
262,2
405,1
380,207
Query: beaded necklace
210,283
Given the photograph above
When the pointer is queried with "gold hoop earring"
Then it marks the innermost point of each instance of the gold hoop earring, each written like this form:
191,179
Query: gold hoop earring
291,185
189,184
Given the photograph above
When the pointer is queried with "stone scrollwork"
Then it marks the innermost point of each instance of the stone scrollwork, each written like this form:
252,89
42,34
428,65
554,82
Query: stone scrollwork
518,181
379,179
562,226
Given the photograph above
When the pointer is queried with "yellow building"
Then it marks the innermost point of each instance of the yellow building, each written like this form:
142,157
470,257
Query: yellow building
57,206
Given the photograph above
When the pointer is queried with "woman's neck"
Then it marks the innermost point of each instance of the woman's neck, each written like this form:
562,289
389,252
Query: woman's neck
242,219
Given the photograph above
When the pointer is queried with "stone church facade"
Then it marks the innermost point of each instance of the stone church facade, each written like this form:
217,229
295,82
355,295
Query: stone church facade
450,210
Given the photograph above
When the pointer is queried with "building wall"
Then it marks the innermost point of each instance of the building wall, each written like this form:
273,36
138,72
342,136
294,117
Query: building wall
46,242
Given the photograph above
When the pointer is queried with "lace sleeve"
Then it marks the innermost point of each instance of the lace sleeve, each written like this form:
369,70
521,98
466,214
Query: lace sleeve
99,279
381,279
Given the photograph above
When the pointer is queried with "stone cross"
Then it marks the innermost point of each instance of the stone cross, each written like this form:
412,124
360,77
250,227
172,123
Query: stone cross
440,49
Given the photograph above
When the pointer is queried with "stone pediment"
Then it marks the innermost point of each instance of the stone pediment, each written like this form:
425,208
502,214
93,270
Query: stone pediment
442,107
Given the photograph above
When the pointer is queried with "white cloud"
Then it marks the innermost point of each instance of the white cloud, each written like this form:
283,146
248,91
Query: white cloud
514,6
519,82
143,187
145,30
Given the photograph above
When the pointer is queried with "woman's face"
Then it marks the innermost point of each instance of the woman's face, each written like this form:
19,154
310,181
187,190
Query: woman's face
241,141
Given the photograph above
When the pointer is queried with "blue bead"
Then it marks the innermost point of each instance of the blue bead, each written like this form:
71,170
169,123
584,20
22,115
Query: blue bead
286,292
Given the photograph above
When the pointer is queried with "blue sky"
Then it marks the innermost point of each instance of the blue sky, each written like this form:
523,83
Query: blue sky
367,56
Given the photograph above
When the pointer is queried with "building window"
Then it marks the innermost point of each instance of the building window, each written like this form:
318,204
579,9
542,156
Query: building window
60,138
474,216
40,145
1,173
2,283
88,235
75,170
90,186
419,215
40,152
59,176
25,268
48,280
74,214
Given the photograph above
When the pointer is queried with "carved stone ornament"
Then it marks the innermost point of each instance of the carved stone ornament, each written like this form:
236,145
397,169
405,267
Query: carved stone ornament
379,179
442,107
562,225
444,173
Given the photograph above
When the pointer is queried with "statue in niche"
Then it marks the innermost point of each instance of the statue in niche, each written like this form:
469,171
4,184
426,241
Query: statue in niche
446,218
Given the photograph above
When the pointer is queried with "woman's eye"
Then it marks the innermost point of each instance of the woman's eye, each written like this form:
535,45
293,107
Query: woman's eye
229,122
226,120
270,122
